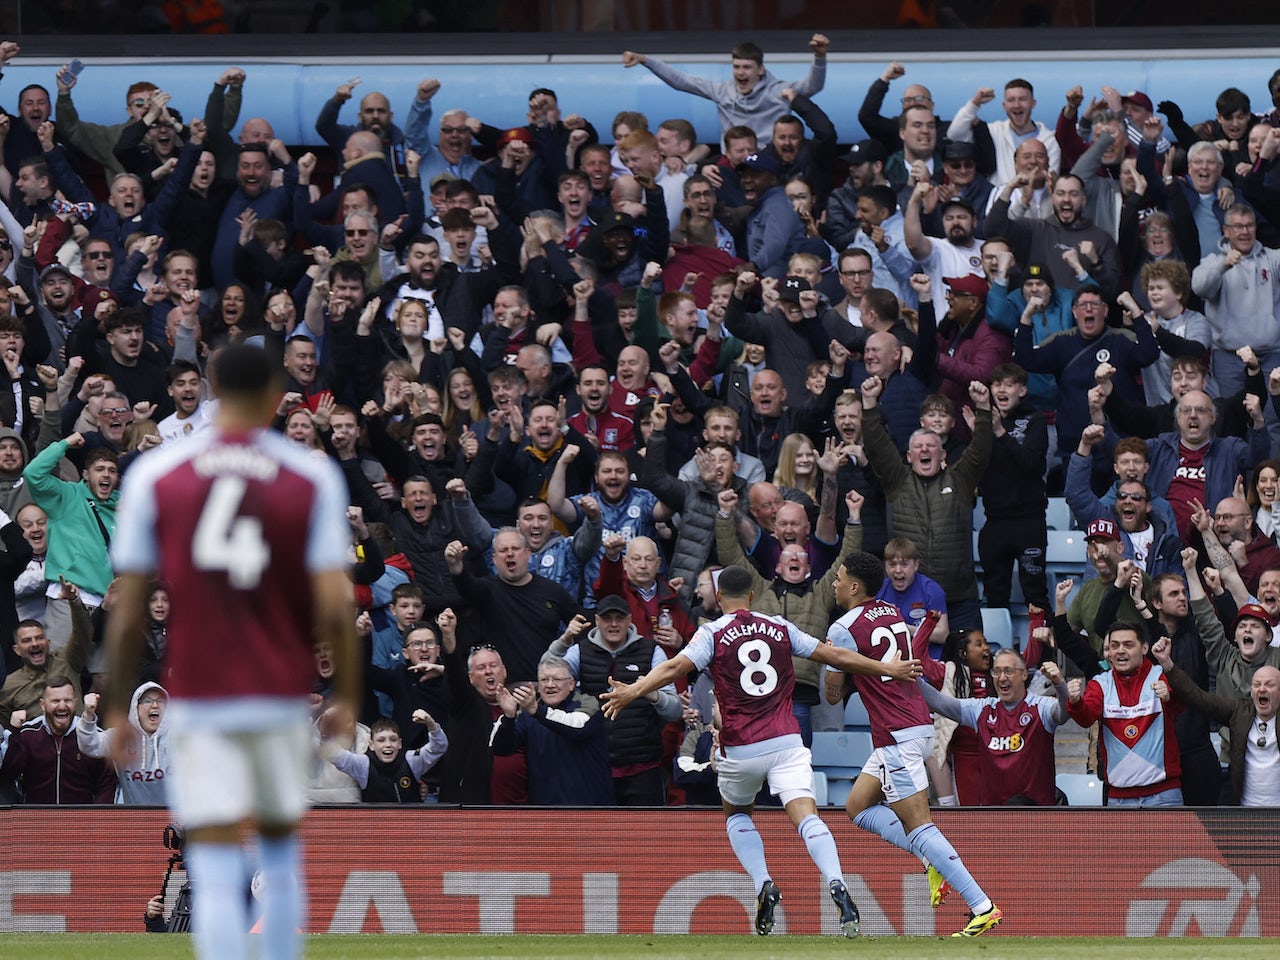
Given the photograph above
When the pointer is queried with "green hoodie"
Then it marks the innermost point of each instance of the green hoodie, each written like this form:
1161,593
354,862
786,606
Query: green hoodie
77,520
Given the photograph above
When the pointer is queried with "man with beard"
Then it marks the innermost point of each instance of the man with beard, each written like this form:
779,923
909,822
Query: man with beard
955,255
1076,251
866,169
620,245
1106,556
1251,549
253,190
375,118
56,304
774,230
960,178
191,412
626,510
1151,543
44,758
455,299
594,420
879,235
37,661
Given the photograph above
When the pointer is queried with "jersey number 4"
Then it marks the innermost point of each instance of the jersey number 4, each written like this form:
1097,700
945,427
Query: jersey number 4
887,641
228,542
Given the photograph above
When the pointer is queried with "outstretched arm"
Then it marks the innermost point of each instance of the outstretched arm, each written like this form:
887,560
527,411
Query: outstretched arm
621,694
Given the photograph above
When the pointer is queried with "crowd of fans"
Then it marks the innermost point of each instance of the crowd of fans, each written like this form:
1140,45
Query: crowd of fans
570,371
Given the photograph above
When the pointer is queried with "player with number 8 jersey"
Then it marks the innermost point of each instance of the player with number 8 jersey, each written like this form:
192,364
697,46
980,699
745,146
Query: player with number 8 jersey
749,656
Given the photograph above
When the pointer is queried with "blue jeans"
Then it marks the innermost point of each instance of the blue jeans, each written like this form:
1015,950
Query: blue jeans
1165,798
801,711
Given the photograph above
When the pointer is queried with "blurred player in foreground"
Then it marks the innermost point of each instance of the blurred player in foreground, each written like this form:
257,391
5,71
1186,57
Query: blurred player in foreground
749,655
249,533
902,731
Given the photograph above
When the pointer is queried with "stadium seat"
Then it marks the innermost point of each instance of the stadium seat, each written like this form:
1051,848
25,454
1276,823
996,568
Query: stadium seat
979,514
838,792
839,757
855,715
819,788
1081,789
1058,516
997,627
834,754
1066,554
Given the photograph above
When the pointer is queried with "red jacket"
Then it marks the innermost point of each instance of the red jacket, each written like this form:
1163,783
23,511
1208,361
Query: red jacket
613,580
56,772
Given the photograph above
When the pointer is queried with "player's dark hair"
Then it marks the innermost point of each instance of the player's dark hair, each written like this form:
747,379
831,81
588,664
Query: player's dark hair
867,569
244,371
734,582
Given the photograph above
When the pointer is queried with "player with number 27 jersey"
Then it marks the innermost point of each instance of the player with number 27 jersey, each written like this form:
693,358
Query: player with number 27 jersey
240,522
897,710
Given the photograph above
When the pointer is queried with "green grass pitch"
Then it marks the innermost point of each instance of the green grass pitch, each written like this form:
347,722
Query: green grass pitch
473,947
